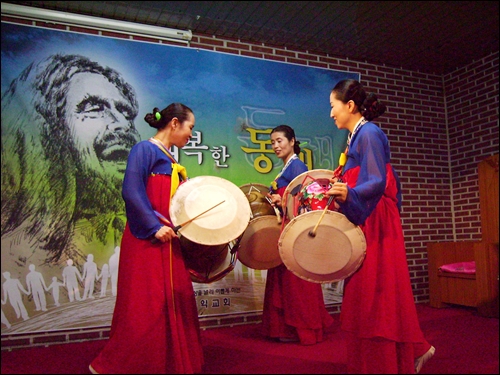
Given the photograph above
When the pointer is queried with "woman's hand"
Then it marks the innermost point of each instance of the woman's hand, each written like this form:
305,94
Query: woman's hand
165,234
275,199
339,190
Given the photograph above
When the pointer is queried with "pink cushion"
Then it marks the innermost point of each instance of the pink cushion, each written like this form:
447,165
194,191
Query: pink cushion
460,267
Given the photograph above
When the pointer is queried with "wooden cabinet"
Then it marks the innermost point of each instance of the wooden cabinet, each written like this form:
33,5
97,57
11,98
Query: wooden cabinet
479,290
488,198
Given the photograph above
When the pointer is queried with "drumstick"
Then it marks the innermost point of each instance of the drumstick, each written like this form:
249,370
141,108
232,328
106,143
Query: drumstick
162,218
197,216
176,228
276,211
312,233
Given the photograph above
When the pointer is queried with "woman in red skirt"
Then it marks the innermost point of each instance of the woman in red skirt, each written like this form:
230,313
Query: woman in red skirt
294,308
378,308
155,328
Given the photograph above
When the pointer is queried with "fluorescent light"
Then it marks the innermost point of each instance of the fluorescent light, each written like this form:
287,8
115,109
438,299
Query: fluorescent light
72,19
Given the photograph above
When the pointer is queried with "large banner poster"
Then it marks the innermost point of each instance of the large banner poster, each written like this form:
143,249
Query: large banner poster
64,151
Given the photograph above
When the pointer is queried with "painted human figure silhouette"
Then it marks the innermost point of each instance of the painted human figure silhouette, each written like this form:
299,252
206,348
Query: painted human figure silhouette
263,275
70,276
251,274
337,287
36,287
238,271
114,261
54,285
12,289
5,320
104,276
89,277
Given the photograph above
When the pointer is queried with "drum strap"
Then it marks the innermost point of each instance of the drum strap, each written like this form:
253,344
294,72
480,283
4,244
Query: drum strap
177,169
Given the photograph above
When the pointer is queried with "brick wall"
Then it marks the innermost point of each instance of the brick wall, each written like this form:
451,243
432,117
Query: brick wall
439,128
471,94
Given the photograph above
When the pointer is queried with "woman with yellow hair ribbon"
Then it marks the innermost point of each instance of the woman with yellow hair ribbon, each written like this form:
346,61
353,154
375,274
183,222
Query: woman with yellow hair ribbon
155,325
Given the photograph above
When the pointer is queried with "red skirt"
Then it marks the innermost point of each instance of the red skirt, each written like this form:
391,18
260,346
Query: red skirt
378,307
294,308
155,327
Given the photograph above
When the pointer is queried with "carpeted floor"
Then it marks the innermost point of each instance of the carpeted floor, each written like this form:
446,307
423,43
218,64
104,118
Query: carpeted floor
465,344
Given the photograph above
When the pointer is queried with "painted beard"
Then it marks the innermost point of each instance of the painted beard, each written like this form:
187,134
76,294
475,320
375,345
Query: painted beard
113,148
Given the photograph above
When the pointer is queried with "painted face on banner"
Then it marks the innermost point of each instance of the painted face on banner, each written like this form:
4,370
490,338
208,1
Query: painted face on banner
101,121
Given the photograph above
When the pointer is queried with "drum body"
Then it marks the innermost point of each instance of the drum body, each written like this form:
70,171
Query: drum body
258,247
334,253
306,192
207,242
312,195
207,264
338,247
256,196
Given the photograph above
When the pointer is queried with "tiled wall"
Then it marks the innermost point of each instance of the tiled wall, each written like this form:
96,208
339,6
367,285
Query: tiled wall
439,128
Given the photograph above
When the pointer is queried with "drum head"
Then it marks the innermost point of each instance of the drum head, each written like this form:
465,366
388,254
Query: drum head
296,185
336,252
258,247
256,195
218,226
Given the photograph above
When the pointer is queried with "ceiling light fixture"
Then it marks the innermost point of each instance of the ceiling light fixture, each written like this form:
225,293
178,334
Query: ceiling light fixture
103,24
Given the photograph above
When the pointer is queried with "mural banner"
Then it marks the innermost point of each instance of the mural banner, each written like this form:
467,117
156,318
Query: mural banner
63,161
